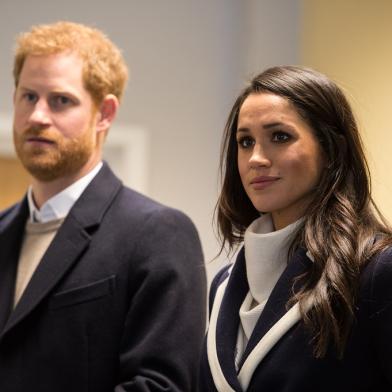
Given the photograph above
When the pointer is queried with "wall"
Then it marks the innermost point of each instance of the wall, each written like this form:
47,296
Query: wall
16,179
350,41
188,60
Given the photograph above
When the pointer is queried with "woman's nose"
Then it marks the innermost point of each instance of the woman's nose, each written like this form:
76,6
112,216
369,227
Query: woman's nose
259,157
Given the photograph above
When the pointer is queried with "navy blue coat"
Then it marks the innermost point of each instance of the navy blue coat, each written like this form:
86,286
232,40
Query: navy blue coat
116,303
289,365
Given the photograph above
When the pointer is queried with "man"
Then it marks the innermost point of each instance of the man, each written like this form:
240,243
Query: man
101,288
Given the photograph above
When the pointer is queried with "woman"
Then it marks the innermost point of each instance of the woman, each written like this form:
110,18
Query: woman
307,305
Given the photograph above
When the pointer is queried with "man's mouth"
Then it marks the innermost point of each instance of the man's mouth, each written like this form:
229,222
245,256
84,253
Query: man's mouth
39,140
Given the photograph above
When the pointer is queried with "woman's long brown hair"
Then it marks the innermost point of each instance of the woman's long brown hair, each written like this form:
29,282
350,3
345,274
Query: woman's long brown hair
341,222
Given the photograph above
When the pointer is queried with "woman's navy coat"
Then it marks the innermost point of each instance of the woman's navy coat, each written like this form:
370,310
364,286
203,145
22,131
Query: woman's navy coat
289,365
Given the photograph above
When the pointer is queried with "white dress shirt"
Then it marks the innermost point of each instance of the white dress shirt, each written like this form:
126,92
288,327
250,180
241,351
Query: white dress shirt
58,206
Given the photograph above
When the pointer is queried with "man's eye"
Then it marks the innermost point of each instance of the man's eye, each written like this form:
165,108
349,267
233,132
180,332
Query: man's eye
245,142
30,97
60,102
280,137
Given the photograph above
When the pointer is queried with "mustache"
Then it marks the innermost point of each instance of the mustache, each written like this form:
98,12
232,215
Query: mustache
38,131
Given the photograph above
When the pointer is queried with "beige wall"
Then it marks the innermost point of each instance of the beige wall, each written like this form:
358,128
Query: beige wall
188,59
14,181
351,41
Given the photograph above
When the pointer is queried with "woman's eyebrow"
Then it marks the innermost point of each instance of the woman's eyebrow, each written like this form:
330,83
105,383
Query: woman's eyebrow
265,126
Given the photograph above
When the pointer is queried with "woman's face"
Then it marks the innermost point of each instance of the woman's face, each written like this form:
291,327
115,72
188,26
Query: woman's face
279,159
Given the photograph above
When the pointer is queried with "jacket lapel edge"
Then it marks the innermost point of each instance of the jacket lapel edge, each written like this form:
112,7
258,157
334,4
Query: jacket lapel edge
288,320
212,354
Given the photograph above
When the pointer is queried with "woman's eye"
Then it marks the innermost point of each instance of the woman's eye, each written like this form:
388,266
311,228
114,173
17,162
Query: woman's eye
245,142
280,137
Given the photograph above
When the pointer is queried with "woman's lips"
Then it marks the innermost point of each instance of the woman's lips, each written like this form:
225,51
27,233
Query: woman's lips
263,182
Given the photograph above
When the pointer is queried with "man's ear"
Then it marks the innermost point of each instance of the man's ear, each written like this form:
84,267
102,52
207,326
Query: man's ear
107,113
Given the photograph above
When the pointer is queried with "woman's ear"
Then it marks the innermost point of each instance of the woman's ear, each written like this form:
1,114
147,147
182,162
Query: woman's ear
106,113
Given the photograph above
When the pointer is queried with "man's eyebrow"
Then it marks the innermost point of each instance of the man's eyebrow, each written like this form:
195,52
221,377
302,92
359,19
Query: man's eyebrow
25,88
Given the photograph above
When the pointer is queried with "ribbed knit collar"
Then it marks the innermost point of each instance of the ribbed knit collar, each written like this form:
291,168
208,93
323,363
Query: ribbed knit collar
266,253
37,228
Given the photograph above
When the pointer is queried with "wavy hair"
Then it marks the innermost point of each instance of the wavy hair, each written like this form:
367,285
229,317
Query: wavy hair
341,222
104,71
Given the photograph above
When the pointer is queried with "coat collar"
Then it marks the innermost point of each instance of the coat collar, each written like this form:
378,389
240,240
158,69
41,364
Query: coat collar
273,323
228,319
71,240
276,305
13,223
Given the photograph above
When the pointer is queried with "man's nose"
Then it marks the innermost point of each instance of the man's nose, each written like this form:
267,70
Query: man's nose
40,114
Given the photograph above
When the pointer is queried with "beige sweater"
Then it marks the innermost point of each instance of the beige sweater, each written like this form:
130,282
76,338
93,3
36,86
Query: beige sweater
36,241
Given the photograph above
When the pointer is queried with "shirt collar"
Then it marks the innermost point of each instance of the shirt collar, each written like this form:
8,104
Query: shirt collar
59,205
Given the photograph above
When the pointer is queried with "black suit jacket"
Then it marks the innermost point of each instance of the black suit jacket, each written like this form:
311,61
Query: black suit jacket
290,366
116,303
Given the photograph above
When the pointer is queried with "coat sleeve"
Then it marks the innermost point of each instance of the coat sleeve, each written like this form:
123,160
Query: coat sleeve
165,325
378,294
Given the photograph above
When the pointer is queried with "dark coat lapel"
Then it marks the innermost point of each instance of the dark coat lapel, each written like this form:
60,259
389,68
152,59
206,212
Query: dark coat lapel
228,320
71,240
11,237
276,305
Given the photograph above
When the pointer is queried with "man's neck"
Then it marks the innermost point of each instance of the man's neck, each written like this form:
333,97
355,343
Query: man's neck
43,191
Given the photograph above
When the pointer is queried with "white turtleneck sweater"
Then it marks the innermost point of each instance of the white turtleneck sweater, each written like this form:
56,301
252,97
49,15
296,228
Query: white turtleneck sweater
266,253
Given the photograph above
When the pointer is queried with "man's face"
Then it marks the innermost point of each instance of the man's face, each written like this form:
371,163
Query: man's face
54,118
